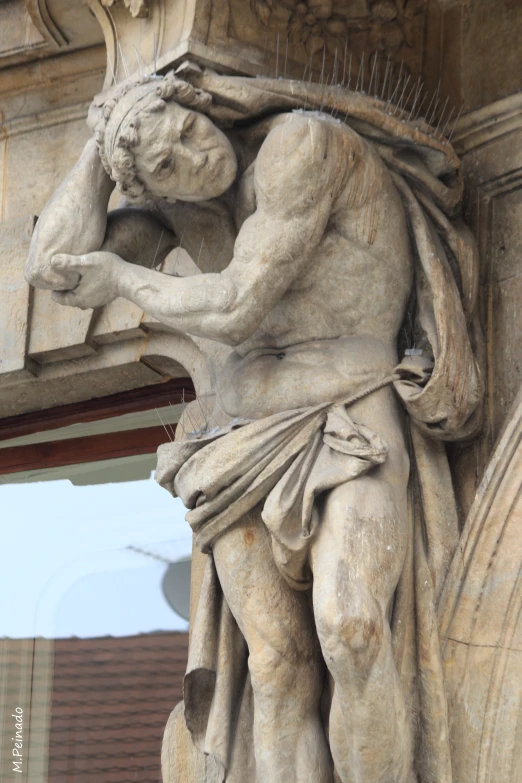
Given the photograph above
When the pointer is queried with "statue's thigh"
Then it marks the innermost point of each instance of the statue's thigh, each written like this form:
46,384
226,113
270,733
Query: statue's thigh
362,539
268,611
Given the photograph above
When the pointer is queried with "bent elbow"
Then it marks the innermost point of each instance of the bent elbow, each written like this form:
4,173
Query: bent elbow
36,276
237,328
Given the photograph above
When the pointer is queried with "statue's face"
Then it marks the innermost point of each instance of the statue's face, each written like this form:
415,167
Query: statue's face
182,155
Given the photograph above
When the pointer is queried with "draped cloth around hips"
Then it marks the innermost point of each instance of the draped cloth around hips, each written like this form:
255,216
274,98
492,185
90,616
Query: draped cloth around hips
284,462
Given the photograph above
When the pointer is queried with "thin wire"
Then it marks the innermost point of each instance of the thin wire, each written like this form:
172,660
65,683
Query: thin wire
163,425
443,131
430,104
455,123
123,61
399,105
385,77
112,69
390,100
372,73
442,114
200,249
157,249
432,116
415,99
138,60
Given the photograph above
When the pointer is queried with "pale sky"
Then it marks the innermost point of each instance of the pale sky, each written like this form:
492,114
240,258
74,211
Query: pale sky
66,569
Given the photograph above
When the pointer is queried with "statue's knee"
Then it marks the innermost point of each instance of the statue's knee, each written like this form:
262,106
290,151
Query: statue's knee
354,628
275,673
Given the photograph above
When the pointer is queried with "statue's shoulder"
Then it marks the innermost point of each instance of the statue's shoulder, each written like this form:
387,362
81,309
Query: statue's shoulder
295,140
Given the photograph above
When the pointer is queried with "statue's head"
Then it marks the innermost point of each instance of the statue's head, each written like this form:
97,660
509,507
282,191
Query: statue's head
156,142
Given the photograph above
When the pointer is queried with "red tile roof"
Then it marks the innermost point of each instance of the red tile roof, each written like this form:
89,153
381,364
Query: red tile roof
111,700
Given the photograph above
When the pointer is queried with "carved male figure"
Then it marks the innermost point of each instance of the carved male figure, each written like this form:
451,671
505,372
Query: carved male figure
316,289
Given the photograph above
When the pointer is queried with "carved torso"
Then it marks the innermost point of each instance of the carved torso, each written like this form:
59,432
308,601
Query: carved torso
346,307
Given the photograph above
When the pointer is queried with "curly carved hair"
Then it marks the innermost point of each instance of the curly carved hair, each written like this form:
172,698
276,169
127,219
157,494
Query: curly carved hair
118,136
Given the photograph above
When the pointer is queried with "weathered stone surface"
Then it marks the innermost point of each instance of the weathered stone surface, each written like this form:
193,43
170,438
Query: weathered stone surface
265,362
14,310
481,626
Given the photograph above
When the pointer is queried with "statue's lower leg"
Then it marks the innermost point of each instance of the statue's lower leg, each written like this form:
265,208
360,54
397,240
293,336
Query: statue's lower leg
285,664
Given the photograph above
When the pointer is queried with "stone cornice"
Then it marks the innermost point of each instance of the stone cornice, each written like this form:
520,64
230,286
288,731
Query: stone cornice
46,119
488,123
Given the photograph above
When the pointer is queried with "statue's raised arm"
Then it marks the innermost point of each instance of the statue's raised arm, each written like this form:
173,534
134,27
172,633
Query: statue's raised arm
73,221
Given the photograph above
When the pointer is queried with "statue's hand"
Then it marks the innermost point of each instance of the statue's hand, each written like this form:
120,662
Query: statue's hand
99,274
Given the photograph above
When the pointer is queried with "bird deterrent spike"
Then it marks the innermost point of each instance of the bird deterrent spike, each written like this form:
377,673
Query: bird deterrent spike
383,91
436,103
431,103
399,104
200,249
204,414
112,69
170,425
155,55
415,99
334,109
399,77
157,249
277,57
138,60
324,92
344,61
335,68
322,67
434,112
349,73
123,61
455,123
361,71
163,425
309,84
419,106
187,411
372,73
441,115
286,57
394,93
407,100
450,115
178,249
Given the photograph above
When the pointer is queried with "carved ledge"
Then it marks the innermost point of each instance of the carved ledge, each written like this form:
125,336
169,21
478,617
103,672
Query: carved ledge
53,355
488,123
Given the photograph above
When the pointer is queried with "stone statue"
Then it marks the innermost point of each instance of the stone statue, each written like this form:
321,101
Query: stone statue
319,487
